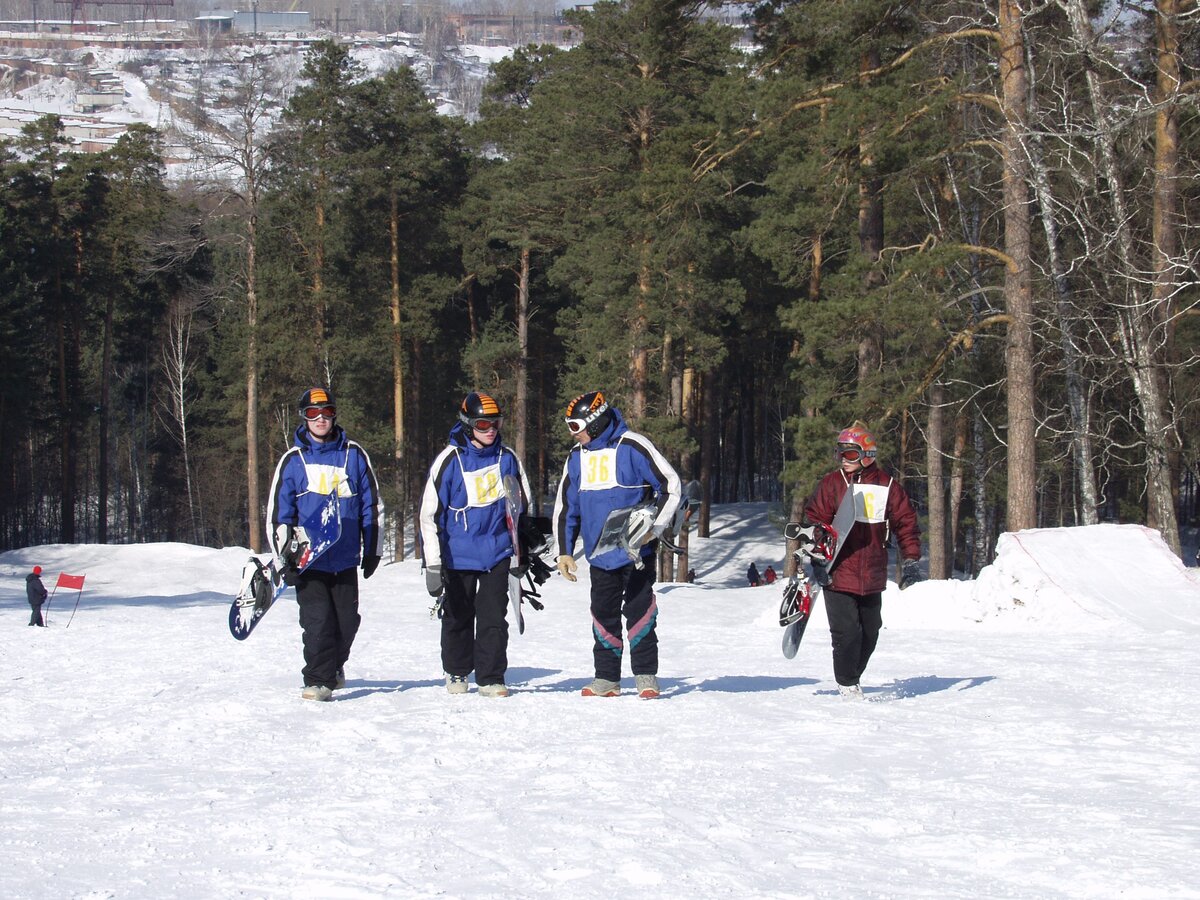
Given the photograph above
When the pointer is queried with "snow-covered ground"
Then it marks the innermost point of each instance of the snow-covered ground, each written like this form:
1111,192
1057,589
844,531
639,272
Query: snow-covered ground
1029,734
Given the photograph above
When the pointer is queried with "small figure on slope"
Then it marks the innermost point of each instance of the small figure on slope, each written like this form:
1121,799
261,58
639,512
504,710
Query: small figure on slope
36,592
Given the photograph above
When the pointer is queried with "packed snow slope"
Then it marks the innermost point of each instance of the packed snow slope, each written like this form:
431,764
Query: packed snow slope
1031,734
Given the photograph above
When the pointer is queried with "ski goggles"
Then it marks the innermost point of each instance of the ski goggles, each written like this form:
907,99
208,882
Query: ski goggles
850,454
486,425
312,413
576,425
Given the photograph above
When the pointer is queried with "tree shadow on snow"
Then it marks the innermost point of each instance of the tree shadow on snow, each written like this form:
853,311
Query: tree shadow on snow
65,598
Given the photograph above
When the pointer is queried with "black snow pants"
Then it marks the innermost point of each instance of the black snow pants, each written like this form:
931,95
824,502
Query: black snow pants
474,627
330,619
854,623
36,617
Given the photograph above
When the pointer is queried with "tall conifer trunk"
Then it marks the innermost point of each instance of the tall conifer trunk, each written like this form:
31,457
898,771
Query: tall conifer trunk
1018,284
399,457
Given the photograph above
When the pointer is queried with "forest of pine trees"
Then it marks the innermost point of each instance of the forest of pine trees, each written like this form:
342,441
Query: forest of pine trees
968,224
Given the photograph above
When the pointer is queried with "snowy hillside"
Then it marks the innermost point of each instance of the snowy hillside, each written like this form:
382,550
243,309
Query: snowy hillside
1030,734
170,89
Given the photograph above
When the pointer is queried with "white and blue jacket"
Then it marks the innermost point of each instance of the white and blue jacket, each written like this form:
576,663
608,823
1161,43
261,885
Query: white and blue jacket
617,469
464,523
305,477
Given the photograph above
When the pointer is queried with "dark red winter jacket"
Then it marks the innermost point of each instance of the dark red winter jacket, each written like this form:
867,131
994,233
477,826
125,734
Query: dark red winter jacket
861,566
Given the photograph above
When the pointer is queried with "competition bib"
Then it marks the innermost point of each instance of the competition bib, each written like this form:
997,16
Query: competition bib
597,469
484,486
870,502
323,479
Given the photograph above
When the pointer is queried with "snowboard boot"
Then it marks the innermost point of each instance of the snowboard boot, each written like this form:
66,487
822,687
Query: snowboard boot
602,687
647,686
493,690
456,684
850,691
316,692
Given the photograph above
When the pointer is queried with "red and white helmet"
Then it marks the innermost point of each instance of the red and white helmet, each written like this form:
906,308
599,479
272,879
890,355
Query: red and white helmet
857,438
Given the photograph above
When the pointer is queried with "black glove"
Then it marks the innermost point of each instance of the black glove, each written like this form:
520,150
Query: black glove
290,575
433,581
820,570
910,573
369,565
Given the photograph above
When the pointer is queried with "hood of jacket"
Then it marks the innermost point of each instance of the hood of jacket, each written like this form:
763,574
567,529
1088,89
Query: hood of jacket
611,434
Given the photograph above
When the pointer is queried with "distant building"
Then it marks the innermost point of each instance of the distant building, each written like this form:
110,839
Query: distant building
509,31
226,20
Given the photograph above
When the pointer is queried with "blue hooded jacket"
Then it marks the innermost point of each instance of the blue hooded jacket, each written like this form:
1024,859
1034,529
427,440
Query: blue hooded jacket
464,525
617,469
304,478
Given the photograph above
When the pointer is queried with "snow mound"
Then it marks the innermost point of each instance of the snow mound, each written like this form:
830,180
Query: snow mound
1090,576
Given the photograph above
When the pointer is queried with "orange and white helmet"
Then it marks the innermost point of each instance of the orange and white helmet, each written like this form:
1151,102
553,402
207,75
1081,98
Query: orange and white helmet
856,438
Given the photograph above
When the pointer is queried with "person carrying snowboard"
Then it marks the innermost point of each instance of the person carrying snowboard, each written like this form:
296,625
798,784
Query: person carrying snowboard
468,546
323,460
613,468
36,592
858,575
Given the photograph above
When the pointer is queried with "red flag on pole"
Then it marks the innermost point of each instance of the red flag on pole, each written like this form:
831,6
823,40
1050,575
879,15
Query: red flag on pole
72,582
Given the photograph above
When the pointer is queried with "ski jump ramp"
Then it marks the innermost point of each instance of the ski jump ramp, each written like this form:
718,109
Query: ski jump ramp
1095,574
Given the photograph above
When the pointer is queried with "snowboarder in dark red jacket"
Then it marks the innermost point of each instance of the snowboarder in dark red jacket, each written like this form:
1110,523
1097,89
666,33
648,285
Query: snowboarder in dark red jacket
854,592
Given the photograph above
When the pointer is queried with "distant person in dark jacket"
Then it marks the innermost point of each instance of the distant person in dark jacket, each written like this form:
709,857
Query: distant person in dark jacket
36,591
752,576
854,595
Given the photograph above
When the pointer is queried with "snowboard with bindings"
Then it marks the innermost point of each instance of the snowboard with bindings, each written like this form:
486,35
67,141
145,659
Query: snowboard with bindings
820,545
263,583
625,529
817,550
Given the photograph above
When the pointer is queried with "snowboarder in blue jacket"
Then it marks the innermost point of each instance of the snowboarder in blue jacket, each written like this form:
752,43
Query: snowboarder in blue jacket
321,461
613,468
468,547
